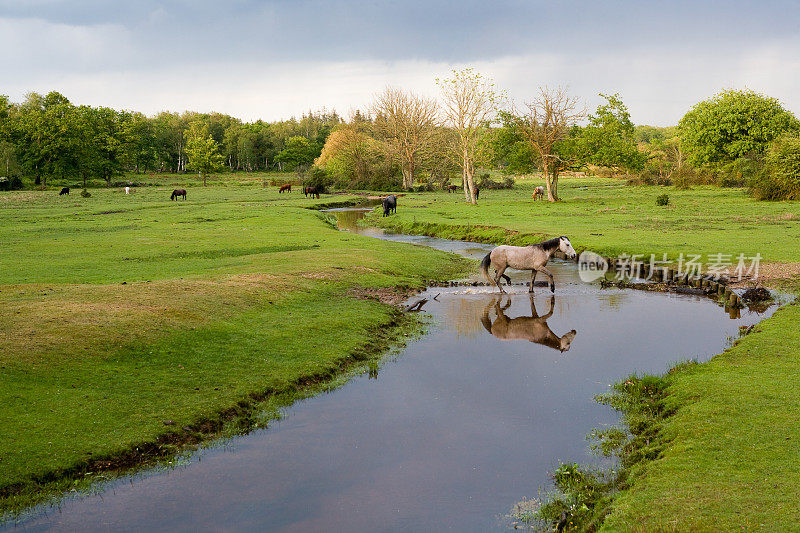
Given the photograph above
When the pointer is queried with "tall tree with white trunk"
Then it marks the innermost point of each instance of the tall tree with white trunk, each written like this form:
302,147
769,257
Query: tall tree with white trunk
470,106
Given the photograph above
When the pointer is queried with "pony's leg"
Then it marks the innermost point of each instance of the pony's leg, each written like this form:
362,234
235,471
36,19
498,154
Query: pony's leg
497,277
552,307
550,274
533,278
508,280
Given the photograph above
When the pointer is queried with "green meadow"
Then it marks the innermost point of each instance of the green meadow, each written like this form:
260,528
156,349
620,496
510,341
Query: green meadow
133,326
132,323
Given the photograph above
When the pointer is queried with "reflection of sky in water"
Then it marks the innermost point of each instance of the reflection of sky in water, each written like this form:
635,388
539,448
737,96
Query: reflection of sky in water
454,431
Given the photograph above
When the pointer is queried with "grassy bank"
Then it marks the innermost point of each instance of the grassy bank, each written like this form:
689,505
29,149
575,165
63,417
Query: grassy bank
609,217
131,323
724,456
730,445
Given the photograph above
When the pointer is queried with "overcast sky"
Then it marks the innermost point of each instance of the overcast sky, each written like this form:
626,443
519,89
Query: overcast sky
275,59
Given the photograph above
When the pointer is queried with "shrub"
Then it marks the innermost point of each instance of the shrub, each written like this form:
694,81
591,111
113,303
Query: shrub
318,178
85,193
486,182
662,199
780,177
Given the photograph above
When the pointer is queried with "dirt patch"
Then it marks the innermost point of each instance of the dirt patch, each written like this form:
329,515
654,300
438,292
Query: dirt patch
386,295
768,273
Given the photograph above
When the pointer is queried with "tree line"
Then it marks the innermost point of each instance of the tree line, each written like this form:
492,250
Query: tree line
404,140
46,137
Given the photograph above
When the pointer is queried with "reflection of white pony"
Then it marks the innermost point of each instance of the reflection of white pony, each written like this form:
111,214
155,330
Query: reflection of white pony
532,328
533,258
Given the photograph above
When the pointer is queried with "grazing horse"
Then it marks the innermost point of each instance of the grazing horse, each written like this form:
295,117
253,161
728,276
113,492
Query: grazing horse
532,328
452,188
65,190
533,258
477,192
311,191
389,205
538,192
287,188
178,192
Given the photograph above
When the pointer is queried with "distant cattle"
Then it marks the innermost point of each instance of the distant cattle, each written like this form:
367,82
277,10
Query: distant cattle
65,190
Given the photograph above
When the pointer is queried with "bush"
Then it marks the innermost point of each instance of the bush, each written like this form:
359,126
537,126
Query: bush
779,179
318,178
85,193
10,184
486,182
662,199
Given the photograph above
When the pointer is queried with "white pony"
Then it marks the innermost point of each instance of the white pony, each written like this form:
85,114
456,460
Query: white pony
538,192
533,258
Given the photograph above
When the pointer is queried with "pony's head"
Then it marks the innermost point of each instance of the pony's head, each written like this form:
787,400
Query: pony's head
565,341
565,246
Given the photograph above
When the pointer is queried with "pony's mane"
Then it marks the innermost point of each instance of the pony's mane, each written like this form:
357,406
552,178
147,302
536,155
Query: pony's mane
550,245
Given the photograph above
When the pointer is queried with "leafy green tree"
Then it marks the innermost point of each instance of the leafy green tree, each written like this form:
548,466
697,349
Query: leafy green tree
510,150
298,151
609,138
202,150
140,149
733,124
103,137
48,136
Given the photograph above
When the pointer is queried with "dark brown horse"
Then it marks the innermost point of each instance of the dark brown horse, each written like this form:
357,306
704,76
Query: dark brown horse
65,190
178,192
287,188
452,188
311,191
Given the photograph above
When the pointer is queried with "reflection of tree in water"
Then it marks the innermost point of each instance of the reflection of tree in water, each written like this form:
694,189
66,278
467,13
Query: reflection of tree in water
460,314
611,300
349,219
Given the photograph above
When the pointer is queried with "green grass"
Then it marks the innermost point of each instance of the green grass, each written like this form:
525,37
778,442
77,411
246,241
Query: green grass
609,217
733,442
118,313
240,292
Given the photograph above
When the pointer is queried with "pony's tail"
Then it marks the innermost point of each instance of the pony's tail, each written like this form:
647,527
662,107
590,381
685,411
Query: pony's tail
485,267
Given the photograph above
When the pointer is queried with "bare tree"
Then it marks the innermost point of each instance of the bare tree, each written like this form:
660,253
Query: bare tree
546,121
406,124
470,104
